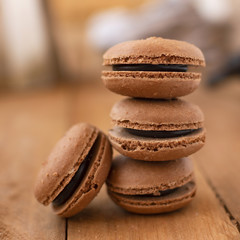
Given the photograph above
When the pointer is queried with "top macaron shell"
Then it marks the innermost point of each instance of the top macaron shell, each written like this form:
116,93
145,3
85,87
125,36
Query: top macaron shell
153,84
156,115
133,177
154,50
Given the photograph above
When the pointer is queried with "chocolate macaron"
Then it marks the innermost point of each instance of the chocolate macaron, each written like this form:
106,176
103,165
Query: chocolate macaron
151,187
75,170
153,68
156,130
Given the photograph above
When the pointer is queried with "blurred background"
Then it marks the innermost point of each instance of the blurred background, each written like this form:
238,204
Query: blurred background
51,42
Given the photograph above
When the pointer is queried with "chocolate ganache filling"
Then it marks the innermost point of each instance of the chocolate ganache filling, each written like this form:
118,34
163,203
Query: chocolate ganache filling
72,186
158,194
151,67
161,134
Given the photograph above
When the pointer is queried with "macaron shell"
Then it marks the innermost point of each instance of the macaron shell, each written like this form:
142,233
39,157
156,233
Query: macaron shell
92,182
64,161
133,177
149,114
155,85
155,205
156,149
154,50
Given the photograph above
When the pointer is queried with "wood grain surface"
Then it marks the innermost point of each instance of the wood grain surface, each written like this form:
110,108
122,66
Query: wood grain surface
219,160
30,124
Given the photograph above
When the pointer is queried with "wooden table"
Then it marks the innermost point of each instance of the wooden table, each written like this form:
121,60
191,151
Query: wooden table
31,123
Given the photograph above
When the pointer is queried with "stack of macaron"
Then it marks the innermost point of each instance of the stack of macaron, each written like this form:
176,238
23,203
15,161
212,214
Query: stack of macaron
154,131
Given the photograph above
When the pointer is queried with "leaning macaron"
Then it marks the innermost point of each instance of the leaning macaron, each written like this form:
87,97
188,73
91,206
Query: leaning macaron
75,170
156,130
153,68
151,187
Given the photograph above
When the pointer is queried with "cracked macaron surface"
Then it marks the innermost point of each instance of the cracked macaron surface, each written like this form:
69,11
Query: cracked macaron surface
156,130
151,187
153,68
75,170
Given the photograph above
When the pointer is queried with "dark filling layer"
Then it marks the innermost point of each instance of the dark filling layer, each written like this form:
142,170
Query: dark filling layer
71,187
151,67
187,187
160,134
160,193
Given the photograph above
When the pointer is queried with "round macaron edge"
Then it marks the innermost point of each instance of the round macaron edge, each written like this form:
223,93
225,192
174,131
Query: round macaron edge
92,182
154,50
156,115
151,149
155,85
133,177
157,204
63,162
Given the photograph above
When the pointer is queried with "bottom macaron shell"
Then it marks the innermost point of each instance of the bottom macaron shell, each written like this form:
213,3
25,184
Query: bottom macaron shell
93,180
151,84
154,205
156,149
